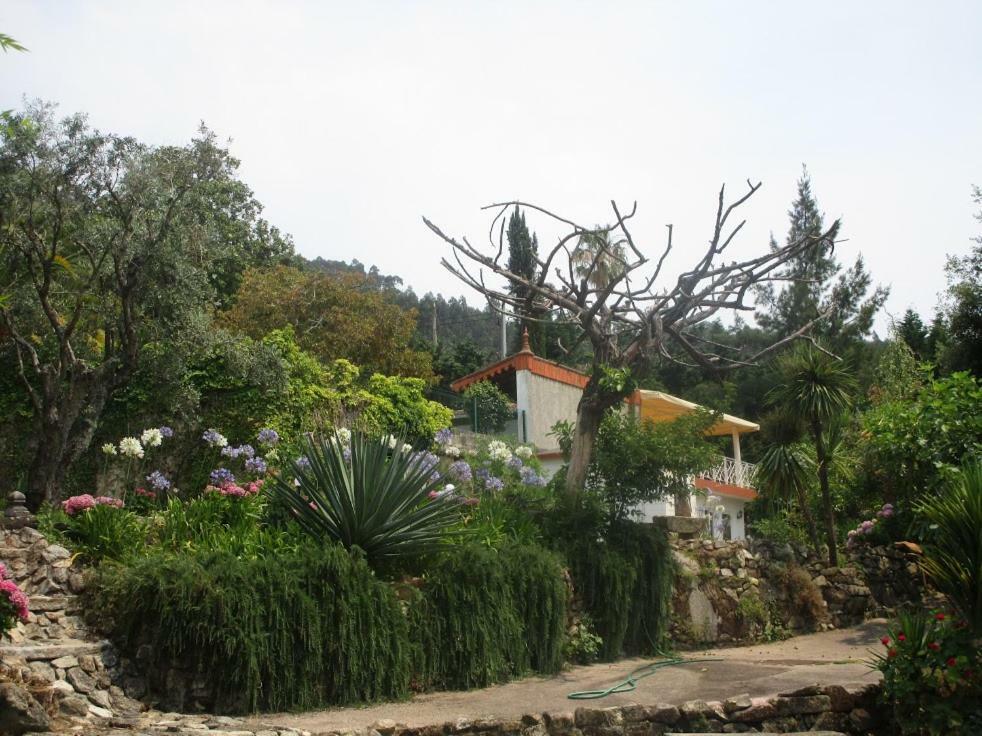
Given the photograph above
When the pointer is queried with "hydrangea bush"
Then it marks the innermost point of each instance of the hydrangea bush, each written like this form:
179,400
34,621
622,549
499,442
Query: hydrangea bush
13,602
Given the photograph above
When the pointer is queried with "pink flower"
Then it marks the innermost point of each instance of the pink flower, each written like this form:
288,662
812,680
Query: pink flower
109,501
77,504
4,574
145,493
228,489
16,597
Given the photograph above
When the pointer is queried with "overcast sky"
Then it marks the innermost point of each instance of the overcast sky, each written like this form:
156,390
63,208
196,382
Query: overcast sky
353,119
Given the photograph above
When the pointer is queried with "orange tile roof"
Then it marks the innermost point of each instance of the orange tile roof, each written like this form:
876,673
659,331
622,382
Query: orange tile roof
525,361
725,489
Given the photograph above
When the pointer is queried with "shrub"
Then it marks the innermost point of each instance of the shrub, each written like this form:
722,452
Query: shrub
101,532
483,617
803,596
386,501
13,603
582,644
932,675
487,407
953,550
288,630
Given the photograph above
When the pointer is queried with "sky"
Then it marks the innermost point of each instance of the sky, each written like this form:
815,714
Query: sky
354,119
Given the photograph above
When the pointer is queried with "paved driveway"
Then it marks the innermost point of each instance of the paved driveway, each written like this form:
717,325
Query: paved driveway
832,657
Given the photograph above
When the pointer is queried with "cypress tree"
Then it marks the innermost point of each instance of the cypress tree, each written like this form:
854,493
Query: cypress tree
523,250
818,283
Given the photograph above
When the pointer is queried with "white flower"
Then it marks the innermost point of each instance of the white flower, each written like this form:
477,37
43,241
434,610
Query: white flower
407,447
449,488
501,452
496,445
109,449
151,437
392,442
451,451
130,447
344,434
524,452
720,508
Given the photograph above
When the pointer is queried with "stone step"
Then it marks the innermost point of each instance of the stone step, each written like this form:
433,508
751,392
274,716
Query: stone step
48,652
45,603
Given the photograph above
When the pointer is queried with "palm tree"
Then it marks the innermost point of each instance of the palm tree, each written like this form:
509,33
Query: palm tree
598,259
784,471
817,388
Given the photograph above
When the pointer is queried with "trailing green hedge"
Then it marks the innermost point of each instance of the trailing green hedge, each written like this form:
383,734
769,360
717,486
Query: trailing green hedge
625,583
283,631
316,628
484,616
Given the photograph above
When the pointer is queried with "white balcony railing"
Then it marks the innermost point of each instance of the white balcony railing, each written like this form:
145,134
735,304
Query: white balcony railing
733,473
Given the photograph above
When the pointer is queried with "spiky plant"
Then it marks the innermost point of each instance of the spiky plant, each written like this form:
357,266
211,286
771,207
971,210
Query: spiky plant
817,388
369,495
953,553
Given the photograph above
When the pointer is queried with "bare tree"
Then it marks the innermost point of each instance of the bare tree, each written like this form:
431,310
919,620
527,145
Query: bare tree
628,318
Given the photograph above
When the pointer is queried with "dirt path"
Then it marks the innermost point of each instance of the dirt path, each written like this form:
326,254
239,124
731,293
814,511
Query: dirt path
827,658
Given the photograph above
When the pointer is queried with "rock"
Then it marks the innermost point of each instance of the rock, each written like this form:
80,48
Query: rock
62,686
861,720
74,705
100,698
80,680
43,670
98,712
696,708
65,663
802,705
597,717
20,712
737,702
759,710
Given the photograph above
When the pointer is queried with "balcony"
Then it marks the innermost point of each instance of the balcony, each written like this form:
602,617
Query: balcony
733,473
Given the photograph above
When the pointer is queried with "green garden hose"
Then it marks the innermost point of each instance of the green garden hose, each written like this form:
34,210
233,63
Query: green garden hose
631,681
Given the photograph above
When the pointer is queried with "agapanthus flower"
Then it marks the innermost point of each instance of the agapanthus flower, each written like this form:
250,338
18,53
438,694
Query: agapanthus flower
303,462
407,447
166,432
158,481
221,475
130,447
346,454
246,451
214,438
524,452
451,451
267,437
151,437
494,483
531,478
344,435
256,465
482,474
109,449
515,462
443,436
461,470
392,441
17,599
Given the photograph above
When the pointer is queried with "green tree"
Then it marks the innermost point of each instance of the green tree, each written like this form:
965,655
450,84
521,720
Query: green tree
523,255
108,246
818,389
818,285
488,407
638,461
342,315
912,330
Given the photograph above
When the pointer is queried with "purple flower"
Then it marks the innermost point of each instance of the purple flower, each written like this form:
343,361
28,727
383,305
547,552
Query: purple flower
346,454
221,476
256,465
214,438
267,436
515,462
303,462
166,432
158,481
443,436
461,471
531,478
482,474
494,484
246,451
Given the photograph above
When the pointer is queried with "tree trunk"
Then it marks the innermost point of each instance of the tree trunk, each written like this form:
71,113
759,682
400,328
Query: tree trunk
64,431
809,520
594,402
823,481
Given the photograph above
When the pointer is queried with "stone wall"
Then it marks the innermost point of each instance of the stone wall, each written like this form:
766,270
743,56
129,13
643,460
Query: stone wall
740,591
835,709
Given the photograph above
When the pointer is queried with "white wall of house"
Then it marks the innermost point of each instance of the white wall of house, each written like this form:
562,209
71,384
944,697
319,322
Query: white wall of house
544,402
734,507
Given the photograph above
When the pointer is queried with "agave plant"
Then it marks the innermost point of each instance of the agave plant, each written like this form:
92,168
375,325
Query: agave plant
387,501
953,552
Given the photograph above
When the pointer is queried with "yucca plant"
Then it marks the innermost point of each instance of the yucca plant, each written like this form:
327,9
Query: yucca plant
387,501
953,551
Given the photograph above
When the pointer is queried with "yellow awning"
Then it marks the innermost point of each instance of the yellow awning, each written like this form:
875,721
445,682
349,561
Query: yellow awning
661,407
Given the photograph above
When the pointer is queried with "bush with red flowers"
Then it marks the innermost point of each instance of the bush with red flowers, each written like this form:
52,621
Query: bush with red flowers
932,675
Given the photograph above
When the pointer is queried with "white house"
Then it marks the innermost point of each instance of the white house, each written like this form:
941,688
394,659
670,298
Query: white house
546,392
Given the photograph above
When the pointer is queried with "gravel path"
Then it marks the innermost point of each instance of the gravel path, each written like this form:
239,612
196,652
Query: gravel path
831,657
